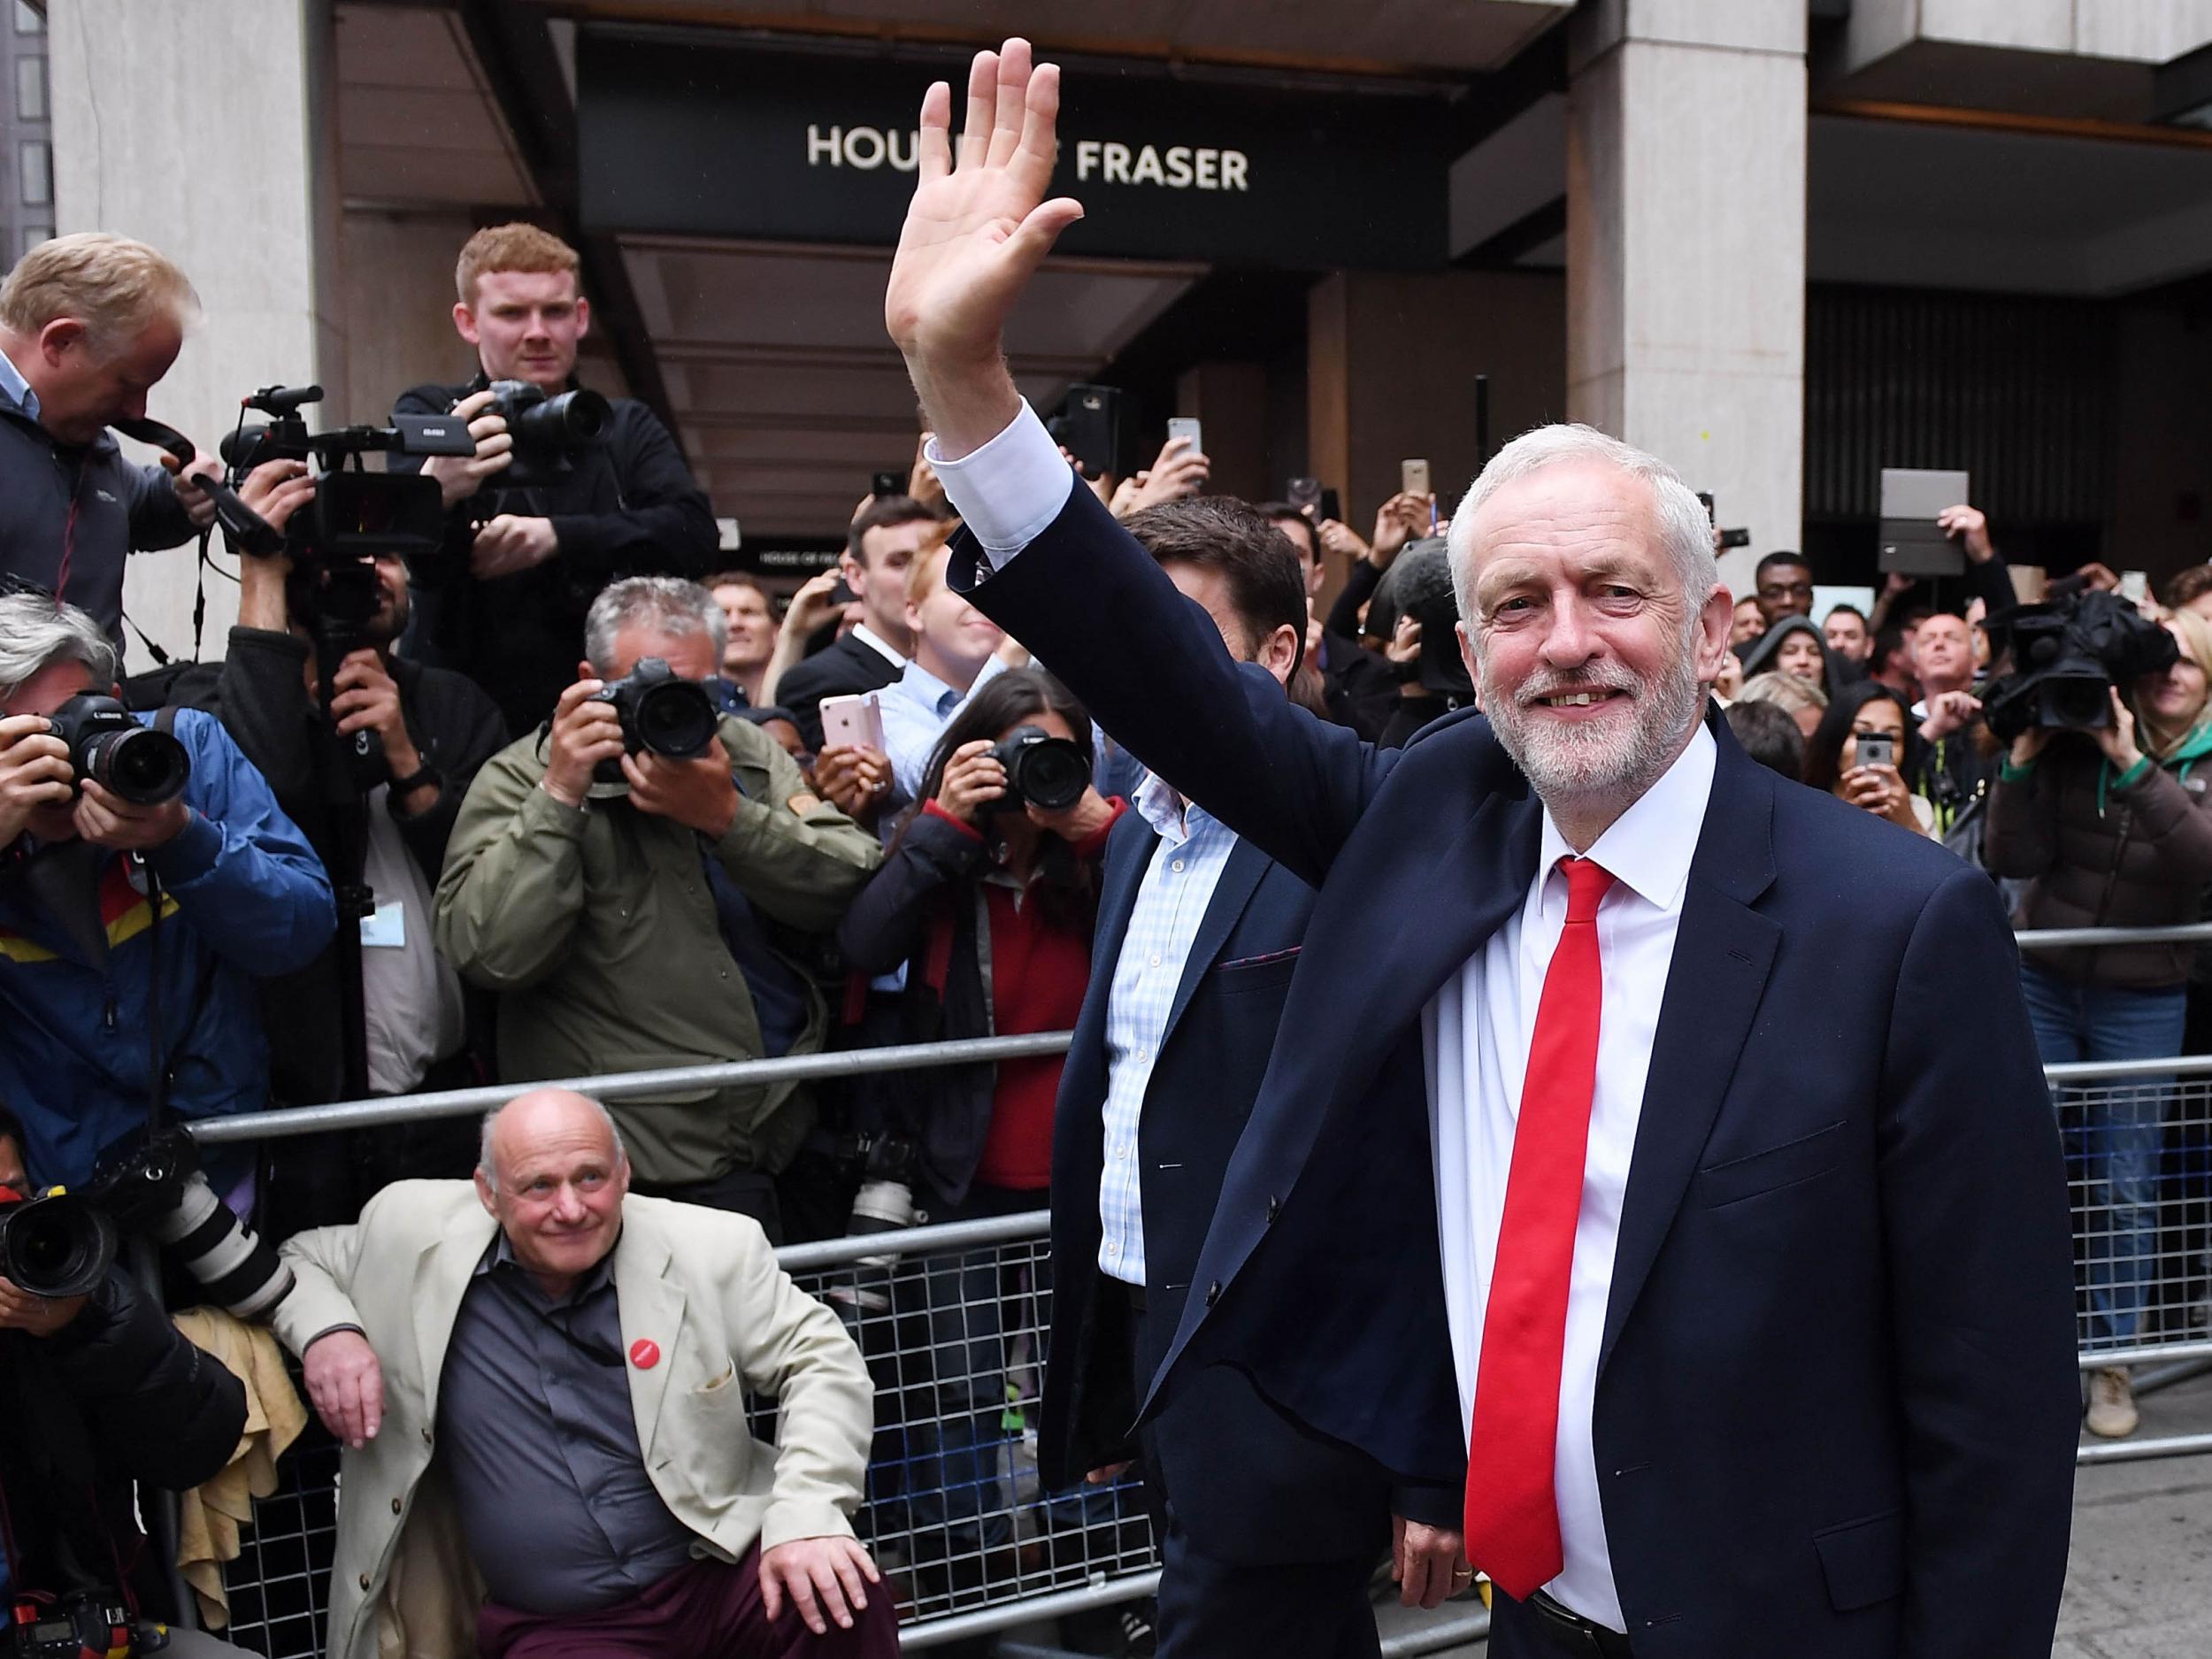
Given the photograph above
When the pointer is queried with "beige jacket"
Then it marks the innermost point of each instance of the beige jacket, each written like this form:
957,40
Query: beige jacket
701,1283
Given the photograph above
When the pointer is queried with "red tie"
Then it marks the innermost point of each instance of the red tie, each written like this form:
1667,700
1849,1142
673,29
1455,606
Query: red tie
1512,1513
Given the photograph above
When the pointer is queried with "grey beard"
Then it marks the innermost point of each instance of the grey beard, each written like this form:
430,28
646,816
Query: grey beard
1568,764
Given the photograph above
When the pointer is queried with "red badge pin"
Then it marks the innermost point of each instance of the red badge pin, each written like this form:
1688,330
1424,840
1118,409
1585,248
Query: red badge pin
645,1353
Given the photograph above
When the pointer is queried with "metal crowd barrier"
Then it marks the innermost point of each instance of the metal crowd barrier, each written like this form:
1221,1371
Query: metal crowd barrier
953,1319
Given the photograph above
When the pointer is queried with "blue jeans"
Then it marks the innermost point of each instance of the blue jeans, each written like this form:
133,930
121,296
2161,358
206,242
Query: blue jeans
2113,1154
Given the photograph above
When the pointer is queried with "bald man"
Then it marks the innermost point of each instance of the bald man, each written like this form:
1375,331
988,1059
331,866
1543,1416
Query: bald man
540,1384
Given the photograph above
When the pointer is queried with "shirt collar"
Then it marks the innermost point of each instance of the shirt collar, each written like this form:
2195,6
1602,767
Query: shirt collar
874,642
1161,805
1649,847
16,389
500,1253
926,689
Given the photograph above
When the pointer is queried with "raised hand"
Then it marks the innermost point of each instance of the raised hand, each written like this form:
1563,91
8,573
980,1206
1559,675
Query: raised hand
977,227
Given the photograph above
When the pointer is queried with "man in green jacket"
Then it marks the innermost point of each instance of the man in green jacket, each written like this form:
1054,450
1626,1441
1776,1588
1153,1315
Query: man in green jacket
658,920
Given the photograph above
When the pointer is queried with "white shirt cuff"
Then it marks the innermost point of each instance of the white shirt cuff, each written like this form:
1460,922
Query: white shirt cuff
1010,489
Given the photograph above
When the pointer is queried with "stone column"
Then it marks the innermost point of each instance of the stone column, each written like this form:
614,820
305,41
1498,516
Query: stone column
209,128
1686,246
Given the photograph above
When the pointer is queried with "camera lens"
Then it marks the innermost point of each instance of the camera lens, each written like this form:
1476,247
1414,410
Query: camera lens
2076,701
56,1247
1050,774
142,766
675,719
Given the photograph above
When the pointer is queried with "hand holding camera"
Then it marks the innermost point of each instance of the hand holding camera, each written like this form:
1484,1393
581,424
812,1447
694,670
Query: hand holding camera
365,698
34,771
1077,824
36,1316
587,731
276,490
974,778
2117,740
699,792
458,476
108,819
510,542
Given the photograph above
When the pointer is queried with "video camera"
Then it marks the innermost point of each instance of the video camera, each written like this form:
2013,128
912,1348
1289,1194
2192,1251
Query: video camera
63,1242
2068,654
356,515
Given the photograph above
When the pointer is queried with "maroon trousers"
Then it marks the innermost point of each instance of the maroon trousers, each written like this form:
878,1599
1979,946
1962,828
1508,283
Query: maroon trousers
708,1609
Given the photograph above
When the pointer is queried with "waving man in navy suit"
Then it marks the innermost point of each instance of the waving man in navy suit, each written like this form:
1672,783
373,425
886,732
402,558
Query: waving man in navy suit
1745,1297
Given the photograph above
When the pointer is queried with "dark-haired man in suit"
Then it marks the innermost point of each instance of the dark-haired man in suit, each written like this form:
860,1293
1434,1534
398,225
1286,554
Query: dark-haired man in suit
878,547
1745,1285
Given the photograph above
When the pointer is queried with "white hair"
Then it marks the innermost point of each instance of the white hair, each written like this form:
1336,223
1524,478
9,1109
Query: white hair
36,632
489,1168
1684,528
668,604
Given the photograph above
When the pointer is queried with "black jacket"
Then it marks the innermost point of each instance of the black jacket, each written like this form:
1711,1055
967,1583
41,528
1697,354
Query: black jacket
120,506
626,506
115,1396
848,667
259,695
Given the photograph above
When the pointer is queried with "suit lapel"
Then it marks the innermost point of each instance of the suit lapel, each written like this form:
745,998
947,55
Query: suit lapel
652,1310
1723,953
1240,877
443,1273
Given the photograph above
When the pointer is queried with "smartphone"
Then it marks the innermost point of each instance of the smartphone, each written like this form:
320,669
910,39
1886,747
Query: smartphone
883,484
1304,494
1413,477
1331,508
2135,586
1090,427
1868,748
1187,426
852,722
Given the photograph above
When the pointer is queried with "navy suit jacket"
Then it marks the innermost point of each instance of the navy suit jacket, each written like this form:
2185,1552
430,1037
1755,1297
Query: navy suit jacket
1245,1483
1837,1400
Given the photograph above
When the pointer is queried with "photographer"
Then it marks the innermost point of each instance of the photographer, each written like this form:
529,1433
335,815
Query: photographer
536,527
97,1392
2111,826
89,325
106,1000
375,785
989,897
638,910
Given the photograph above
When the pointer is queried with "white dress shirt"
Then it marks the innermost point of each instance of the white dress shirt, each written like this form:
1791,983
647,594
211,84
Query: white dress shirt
875,643
1476,1034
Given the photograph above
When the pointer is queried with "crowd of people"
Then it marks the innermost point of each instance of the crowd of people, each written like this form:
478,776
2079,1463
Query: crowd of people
595,806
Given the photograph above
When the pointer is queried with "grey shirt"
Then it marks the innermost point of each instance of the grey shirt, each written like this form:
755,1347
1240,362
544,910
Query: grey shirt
541,1442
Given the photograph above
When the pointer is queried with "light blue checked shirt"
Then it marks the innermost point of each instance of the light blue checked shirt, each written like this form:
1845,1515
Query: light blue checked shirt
917,708
1008,492
1171,899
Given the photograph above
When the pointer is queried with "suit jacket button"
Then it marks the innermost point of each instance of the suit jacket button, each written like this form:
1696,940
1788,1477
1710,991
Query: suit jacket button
395,1506
1213,1293
1274,1208
426,1435
364,1582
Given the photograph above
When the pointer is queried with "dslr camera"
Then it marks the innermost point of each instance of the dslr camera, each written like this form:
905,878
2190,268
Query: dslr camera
2068,654
1042,771
548,431
133,762
662,713
63,1242
81,1622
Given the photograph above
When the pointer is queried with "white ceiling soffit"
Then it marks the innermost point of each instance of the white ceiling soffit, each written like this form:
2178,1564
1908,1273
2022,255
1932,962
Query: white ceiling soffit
785,391
1892,201
1374,35
417,125
1518,169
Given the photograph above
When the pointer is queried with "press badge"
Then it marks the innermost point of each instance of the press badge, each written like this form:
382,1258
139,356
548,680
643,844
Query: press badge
387,929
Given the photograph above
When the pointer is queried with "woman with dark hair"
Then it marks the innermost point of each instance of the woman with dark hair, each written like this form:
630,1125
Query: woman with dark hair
1870,711
988,901
1792,646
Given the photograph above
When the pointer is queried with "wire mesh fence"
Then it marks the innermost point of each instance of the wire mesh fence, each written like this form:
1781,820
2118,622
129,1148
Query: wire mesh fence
954,1320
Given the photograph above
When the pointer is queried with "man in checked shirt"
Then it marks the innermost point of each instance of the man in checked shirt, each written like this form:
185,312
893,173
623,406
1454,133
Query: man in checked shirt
1270,1534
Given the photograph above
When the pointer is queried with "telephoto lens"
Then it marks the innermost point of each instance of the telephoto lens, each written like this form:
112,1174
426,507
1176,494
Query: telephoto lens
1042,771
237,1269
134,762
56,1246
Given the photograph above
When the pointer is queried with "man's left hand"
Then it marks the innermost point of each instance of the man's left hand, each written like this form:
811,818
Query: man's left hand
509,543
821,1576
199,506
1427,1564
699,794
365,698
1948,712
106,819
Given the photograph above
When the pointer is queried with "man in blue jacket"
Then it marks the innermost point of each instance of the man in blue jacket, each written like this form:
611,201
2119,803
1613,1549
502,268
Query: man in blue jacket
94,984
1744,1287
